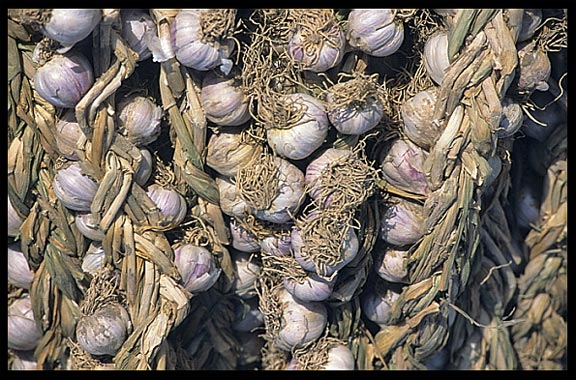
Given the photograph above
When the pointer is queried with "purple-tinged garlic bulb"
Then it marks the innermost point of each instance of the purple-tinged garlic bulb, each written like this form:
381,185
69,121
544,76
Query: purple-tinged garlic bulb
402,167
70,138
73,188
242,239
377,304
144,172
94,259
279,246
228,149
374,31
390,264
310,287
247,270
104,331
64,79
303,134
171,204
23,331
417,114
19,272
402,223
136,24
197,266
436,59
69,26
224,101
202,38
139,119
317,41
85,224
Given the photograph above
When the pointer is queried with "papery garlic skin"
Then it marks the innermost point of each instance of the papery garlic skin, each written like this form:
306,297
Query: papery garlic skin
374,31
301,322
417,114
311,288
403,167
247,271
224,101
64,79
435,57
242,239
69,26
356,119
402,223
390,264
276,246
300,140
135,24
14,220
534,69
86,226
144,172
94,259
172,204
190,48
69,136
197,266
73,188
139,119
104,331
19,272
23,331
376,306
226,152
230,202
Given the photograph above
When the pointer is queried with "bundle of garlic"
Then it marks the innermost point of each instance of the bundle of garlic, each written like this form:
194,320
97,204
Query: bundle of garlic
299,189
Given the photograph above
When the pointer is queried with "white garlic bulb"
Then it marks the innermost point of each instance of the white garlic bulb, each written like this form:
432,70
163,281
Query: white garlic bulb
247,269
300,322
228,149
340,358
534,69
374,31
242,239
276,245
69,26
197,266
139,119
70,138
436,59
402,223
85,224
144,171
104,331
223,100
19,272
136,23
310,287
403,167
417,114
171,203
377,304
73,188
14,220
23,331
390,264
317,166
302,137
94,259
230,202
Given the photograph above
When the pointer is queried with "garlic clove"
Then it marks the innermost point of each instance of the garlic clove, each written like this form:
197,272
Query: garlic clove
224,101
230,201
374,31
104,331
197,266
403,167
436,59
139,119
316,167
357,117
19,272
23,331
73,188
340,358
402,223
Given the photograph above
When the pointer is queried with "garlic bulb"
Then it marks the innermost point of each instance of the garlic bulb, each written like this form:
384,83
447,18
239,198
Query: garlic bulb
247,270
311,287
317,166
324,355
374,31
200,45
325,245
230,201
512,118
24,360
70,138
223,100
534,69
248,315
377,304
402,167
402,223
197,266
69,26
242,239
531,20
23,331
276,246
87,227
139,119
301,137
94,259
136,23
145,169
74,188
273,189
436,59
355,115
229,149
300,322
316,41
14,220
390,264
417,114
104,331
19,272
64,79
171,203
